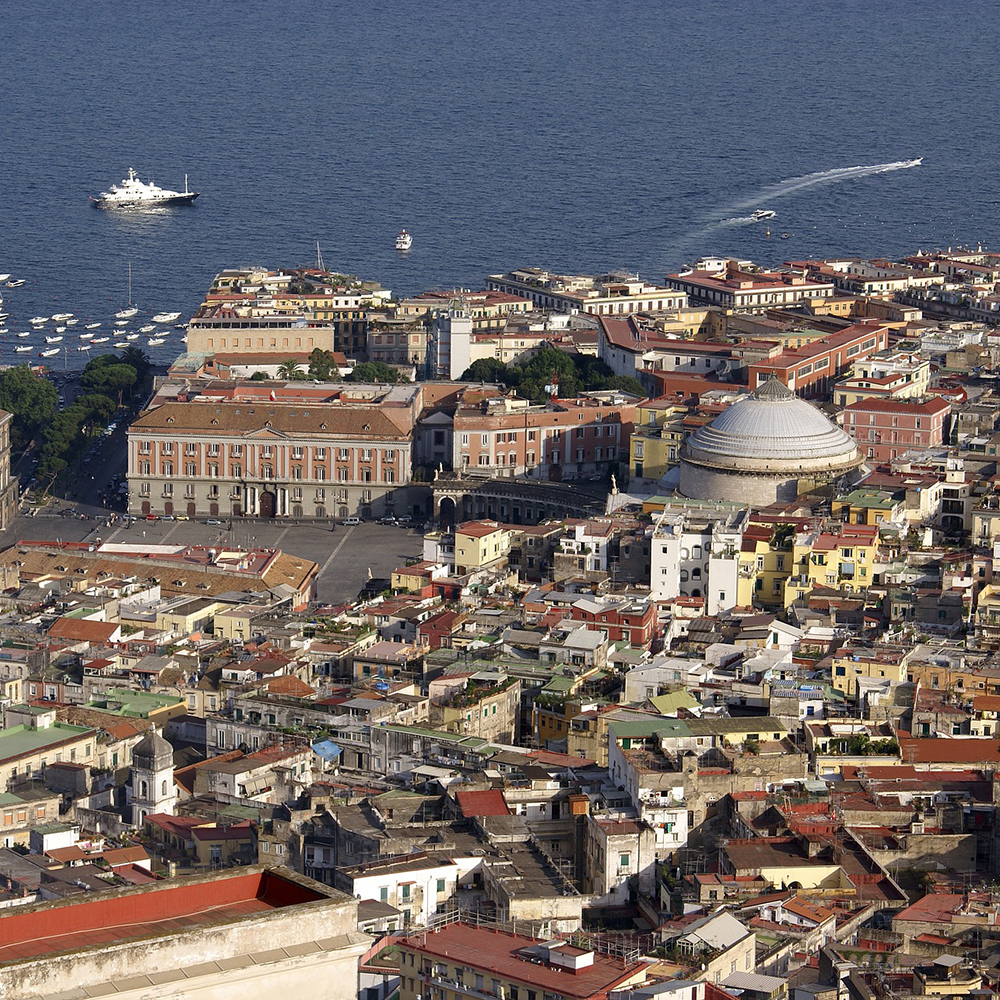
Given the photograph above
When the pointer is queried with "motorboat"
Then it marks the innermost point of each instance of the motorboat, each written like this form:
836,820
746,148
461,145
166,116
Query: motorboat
16,283
762,213
26,347
86,336
126,313
25,334
60,329
121,322
148,328
3,330
155,341
61,317
84,347
100,340
132,336
180,326
51,353
4,277
92,326
134,193
52,340
404,240
166,317
120,344
72,322
38,320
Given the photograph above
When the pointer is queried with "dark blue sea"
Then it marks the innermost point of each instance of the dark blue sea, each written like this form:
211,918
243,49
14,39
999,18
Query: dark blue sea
584,135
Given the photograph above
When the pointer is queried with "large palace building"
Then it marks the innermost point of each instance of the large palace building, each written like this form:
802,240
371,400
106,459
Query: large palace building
272,451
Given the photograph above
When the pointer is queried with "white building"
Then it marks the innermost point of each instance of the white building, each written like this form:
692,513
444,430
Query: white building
449,348
694,552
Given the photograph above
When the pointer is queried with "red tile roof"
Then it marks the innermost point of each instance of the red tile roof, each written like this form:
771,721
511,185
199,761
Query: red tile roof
488,802
82,630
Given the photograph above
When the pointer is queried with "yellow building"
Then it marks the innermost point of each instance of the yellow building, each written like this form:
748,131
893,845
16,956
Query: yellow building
480,545
188,616
896,376
853,662
33,739
656,438
869,506
234,624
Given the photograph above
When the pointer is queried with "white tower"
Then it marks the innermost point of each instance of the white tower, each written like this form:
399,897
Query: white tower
153,788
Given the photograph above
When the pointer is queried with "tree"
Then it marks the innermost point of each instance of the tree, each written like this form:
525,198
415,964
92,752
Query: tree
138,359
111,379
626,383
31,400
289,370
491,370
322,365
260,377
373,371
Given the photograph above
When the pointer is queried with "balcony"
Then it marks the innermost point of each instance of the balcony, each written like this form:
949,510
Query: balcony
444,983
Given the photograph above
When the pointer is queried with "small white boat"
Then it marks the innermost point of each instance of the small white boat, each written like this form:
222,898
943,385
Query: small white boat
61,317
127,313
404,240
100,340
166,317
92,326
51,353
4,277
38,320
148,328
25,334
84,347
16,283
121,322
180,326
155,341
762,213
60,329
3,330
132,336
72,322
86,336
120,343
21,350
52,340
4,316
184,339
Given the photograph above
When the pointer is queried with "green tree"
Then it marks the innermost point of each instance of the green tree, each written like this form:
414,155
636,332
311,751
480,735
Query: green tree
111,379
138,359
626,383
260,377
322,365
492,370
289,370
30,399
373,371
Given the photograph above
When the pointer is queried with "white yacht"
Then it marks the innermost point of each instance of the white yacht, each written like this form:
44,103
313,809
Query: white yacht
4,277
21,350
133,193
166,317
761,214
38,320
155,341
404,240
61,317
72,322
16,283
148,328
52,340
126,313
51,353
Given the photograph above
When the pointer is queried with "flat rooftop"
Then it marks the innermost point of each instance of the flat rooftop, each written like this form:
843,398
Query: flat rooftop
17,741
167,907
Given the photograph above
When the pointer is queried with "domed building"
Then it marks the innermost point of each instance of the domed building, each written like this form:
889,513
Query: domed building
768,446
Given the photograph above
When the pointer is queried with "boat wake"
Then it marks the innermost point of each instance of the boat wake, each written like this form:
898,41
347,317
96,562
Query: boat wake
792,184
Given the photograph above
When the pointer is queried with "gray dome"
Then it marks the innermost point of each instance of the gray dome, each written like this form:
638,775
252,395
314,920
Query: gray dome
152,752
772,430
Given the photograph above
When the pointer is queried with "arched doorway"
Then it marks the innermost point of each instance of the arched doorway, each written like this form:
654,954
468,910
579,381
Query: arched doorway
446,510
267,504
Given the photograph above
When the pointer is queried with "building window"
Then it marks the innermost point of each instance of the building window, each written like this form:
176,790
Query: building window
189,468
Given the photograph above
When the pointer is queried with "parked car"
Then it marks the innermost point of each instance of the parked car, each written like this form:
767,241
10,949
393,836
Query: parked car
350,521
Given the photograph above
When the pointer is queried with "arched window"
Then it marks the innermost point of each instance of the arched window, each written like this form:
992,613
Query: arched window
163,788
143,790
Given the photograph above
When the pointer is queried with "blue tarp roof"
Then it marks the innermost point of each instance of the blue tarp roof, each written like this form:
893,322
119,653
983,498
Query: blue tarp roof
327,749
